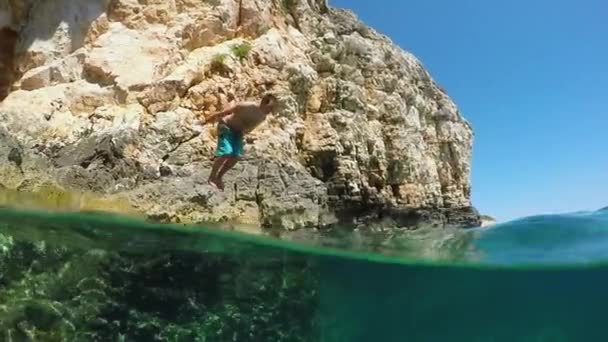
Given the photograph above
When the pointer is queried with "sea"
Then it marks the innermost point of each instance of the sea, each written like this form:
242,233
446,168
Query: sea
93,276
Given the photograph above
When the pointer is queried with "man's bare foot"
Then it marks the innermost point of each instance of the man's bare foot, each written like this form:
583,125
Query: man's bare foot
216,183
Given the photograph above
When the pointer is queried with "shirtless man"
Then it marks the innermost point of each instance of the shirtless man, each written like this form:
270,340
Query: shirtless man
233,123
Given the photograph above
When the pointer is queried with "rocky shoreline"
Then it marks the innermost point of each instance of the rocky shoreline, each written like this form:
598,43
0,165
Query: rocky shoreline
105,97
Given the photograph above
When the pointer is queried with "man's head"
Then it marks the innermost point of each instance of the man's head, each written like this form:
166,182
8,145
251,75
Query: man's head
267,103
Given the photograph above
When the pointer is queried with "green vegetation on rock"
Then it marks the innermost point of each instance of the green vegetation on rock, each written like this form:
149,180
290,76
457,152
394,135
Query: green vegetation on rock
218,63
290,4
219,59
241,51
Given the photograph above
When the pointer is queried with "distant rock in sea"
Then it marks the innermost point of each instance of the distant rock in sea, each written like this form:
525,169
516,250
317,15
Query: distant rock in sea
487,220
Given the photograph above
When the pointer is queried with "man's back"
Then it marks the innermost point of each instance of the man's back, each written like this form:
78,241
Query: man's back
246,116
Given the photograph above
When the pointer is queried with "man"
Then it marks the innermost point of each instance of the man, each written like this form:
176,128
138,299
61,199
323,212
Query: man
233,123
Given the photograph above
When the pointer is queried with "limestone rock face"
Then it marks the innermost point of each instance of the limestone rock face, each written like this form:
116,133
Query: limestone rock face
106,96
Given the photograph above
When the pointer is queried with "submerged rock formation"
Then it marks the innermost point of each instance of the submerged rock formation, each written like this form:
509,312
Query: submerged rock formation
105,96
53,293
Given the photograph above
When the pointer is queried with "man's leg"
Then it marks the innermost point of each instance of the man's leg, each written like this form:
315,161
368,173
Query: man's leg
222,153
214,177
228,164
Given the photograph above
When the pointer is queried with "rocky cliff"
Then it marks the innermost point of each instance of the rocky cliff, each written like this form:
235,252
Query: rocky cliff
104,96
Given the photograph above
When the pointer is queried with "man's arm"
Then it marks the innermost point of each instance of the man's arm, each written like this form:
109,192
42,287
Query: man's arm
219,115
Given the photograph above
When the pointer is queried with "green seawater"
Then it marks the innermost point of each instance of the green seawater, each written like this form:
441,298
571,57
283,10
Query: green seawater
101,277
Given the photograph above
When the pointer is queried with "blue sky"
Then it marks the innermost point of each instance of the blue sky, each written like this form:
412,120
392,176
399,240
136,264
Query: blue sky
532,78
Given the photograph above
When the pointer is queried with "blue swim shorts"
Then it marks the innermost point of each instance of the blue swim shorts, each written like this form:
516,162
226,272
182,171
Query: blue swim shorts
229,141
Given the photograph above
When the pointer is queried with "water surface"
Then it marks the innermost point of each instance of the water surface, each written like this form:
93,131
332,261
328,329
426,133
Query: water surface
101,277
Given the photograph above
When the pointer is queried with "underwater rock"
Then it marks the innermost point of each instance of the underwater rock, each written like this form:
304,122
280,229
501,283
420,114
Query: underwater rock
52,293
